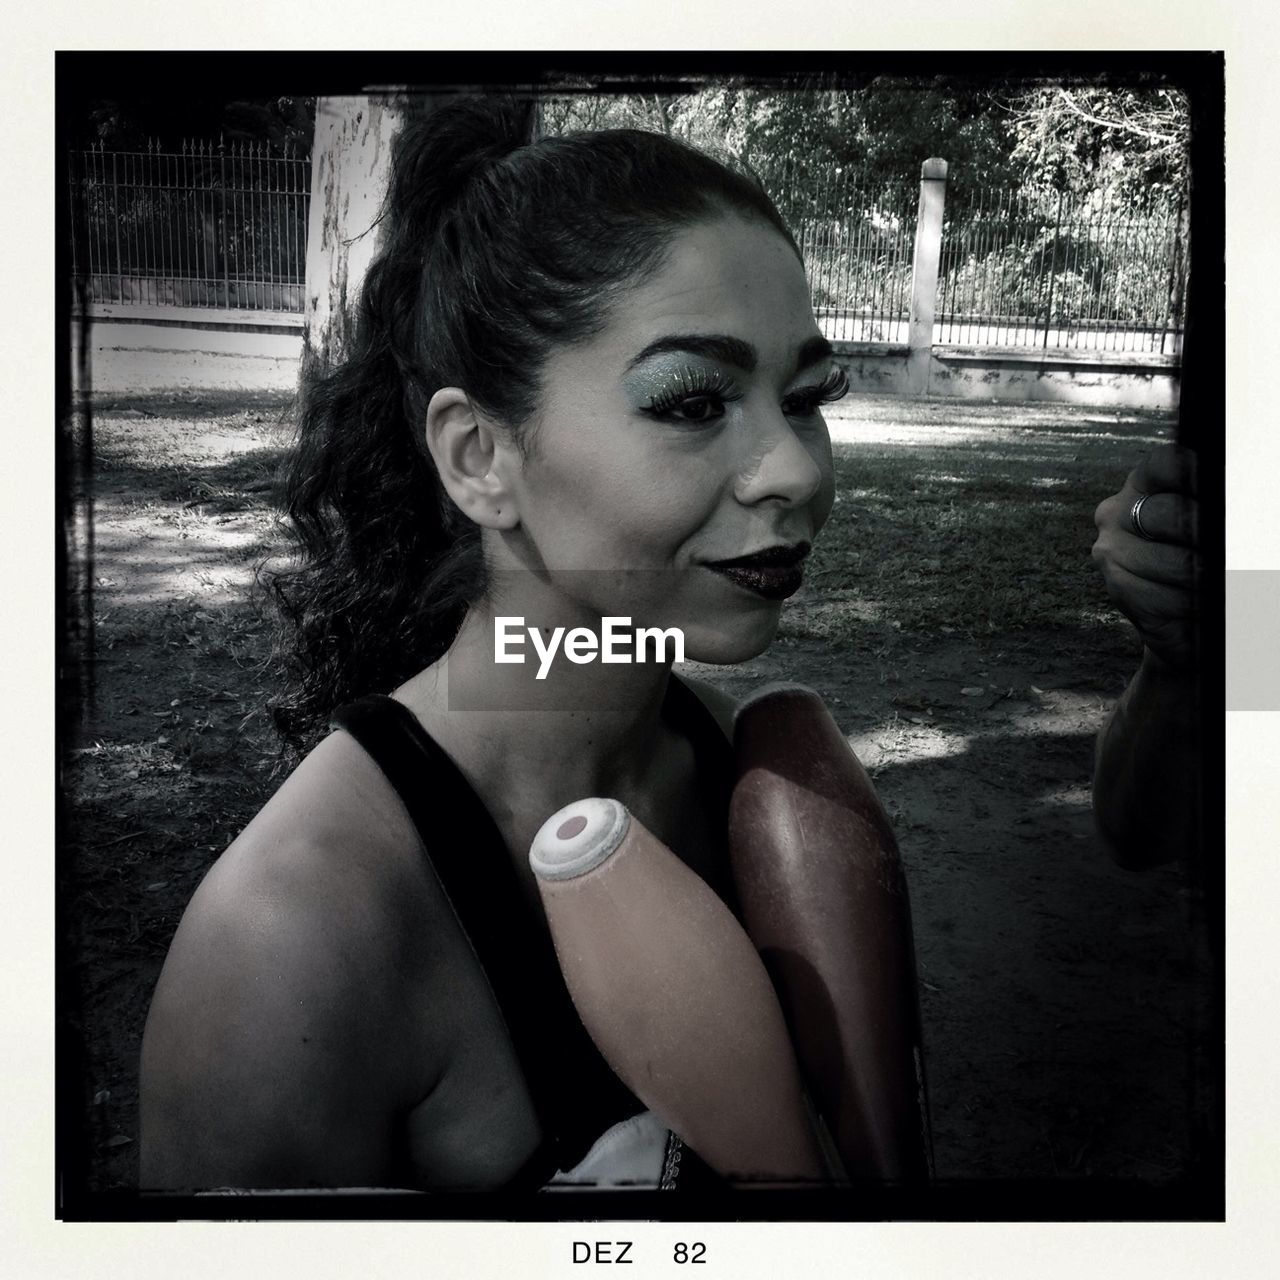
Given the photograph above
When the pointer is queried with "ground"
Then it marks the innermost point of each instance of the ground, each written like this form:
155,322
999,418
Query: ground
954,624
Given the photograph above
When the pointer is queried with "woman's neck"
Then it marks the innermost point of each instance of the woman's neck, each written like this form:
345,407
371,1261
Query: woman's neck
545,725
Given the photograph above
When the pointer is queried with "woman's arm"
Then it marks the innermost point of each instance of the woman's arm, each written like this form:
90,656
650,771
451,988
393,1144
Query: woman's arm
269,1058
1146,780
1146,786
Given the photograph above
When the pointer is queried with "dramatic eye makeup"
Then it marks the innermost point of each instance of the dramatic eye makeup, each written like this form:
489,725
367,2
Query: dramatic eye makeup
684,392
683,379
807,400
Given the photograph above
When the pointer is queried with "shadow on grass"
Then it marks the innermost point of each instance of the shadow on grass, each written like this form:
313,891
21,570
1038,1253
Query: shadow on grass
978,532
892,412
1061,994
252,478
195,405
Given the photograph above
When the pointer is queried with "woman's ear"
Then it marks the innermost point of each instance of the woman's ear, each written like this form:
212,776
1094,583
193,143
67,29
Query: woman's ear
471,455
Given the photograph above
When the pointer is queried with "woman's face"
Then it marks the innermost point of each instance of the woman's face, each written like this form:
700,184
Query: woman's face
686,434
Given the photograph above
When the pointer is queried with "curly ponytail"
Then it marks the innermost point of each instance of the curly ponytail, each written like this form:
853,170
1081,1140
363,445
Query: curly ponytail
496,249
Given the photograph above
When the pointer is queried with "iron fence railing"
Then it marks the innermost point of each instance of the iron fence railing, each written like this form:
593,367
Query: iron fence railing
226,227
1055,270
211,225
1017,268
857,247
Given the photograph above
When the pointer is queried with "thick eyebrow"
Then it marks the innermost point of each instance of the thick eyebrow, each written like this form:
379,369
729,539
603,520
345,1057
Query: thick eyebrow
729,350
811,352
714,346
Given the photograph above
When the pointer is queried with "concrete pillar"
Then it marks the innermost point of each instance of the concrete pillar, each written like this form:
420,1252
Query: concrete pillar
924,274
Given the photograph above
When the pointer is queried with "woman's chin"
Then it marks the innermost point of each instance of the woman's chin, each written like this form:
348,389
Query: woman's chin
725,646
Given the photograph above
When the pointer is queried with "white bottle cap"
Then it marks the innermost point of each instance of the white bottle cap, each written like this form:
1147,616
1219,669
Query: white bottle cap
577,838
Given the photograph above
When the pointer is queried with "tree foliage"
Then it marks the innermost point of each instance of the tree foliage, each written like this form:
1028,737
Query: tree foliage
1131,141
130,123
1063,196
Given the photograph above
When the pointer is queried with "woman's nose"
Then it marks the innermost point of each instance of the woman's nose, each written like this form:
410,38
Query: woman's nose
783,463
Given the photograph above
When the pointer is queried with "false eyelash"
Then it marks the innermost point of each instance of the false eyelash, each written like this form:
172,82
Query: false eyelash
691,383
835,385
832,388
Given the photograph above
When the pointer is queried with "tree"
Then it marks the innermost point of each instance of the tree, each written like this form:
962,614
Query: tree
561,111
1057,137
350,169
1132,142
130,123
798,133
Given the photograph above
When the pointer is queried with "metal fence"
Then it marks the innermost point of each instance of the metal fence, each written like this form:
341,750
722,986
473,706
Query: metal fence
1017,269
226,227
211,225
857,247
1020,269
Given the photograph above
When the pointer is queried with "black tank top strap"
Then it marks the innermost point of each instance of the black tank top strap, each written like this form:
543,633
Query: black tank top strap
688,713
575,1093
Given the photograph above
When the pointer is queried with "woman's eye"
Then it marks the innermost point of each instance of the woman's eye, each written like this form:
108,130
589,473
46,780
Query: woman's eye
806,402
699,408
801,406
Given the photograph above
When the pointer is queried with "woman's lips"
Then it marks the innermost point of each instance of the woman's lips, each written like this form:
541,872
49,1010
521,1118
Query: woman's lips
774,573
775,582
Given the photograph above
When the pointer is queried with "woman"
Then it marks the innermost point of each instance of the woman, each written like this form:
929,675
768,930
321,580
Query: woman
587,383
1146,783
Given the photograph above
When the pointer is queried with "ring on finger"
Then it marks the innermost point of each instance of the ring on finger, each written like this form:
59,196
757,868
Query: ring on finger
1135,518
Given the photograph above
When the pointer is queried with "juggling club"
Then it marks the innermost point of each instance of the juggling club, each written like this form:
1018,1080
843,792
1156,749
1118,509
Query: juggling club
673,993
824,899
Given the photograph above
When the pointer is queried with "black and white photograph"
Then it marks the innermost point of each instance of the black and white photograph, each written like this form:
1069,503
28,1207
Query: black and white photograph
640,638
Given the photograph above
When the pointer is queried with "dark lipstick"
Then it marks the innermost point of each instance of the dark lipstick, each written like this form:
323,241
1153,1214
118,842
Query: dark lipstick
774,573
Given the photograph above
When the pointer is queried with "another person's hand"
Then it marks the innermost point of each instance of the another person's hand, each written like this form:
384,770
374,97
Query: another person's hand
1151,561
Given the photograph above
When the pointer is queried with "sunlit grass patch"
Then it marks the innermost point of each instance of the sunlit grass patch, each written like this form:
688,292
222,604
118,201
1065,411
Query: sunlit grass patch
974,537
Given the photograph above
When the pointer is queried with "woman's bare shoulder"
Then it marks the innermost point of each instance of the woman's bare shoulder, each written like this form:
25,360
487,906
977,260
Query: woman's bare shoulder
291,1001
332,850
336,793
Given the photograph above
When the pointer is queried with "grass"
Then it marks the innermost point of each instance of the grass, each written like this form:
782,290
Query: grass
966,535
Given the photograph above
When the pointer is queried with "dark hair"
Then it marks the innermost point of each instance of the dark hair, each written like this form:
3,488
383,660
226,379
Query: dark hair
495,249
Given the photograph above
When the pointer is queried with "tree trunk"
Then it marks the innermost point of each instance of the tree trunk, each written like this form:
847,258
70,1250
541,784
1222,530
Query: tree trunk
350,168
